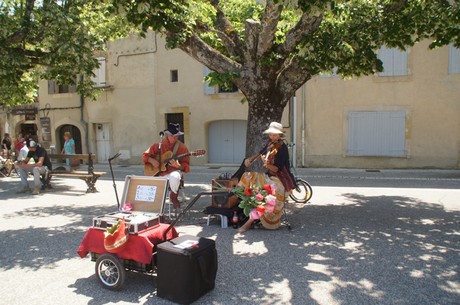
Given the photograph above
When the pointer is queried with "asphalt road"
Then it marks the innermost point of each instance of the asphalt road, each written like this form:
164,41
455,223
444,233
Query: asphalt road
366,237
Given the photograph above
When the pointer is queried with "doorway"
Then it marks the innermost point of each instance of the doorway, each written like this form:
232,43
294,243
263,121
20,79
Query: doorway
176,118
103,142
76,135
227,141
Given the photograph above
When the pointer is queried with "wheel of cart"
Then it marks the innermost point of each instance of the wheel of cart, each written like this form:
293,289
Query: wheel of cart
110,271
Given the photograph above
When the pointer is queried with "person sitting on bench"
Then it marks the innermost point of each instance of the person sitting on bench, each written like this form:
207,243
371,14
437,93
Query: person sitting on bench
41,166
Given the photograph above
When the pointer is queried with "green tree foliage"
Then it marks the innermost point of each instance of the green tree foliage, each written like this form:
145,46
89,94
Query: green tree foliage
51,40
270,48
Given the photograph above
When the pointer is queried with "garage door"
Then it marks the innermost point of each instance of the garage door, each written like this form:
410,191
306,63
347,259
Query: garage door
227,141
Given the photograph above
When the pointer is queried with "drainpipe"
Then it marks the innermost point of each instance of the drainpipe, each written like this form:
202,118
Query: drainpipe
82,103
294,131
302,144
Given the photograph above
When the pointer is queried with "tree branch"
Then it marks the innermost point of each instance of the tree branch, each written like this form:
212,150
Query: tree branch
20,35
269,23
306,26
227,32
211,58
251,42
293,76
232,49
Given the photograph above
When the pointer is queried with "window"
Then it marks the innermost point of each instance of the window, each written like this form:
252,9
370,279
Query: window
216,89
330,75
454,60
377,133
55,88
207,88
232,89
394,61
174,76
99,74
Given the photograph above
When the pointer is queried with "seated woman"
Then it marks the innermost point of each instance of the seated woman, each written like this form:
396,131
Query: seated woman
275,156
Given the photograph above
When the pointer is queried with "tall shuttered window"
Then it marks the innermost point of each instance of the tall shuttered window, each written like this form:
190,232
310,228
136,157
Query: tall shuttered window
454,60
99,74
394,62
377,133
55,88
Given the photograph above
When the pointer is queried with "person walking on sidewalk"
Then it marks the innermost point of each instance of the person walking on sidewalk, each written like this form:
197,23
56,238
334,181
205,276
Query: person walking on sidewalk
41,165
170,145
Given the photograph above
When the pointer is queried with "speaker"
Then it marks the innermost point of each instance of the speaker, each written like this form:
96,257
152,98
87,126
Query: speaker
186,268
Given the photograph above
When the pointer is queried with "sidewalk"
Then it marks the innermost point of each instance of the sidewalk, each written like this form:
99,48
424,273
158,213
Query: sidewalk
320,176
202,172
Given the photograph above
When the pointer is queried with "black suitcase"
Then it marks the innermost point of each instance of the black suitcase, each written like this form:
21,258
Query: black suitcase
186,268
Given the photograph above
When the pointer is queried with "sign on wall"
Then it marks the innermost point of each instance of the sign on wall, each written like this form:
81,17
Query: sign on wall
46,129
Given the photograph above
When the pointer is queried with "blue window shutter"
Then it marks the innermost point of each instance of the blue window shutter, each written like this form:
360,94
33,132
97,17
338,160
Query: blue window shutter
399,62
377,133
454,60
394,61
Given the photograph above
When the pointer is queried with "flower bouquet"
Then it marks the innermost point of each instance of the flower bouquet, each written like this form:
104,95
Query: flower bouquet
255,201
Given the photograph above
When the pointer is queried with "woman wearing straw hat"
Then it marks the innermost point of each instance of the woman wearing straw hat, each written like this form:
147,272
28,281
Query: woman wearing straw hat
275,157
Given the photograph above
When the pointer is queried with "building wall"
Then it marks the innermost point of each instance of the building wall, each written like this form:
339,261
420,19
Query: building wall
139,94
429,96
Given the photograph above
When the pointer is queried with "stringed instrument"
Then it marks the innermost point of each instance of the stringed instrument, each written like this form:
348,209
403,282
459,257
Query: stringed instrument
270,150
150,170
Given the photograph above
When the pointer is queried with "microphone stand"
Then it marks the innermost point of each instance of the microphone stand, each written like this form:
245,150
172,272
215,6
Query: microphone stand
162,134
113,178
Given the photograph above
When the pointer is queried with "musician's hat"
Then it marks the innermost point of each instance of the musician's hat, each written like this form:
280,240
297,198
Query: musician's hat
173,130
275,127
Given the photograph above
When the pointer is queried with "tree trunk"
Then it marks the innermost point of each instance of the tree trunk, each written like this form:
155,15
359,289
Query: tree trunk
264,108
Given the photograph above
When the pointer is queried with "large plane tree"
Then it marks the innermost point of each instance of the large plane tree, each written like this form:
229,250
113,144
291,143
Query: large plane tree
269,49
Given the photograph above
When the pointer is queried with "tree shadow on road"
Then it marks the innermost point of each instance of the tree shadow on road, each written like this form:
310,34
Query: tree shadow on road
377,250
380,250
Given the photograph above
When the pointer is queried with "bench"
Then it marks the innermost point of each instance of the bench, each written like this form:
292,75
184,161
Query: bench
89,176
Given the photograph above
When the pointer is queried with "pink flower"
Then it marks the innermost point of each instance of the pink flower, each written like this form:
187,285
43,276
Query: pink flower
254,214
269,208
127,207
260,197
270,200
273,191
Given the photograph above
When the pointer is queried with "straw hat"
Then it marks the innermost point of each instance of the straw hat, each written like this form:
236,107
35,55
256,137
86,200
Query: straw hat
275,127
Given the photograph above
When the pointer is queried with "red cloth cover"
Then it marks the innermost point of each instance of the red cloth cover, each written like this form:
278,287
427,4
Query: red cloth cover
139,247
116,241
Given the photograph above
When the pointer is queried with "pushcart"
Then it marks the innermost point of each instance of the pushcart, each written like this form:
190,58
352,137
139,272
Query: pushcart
139,253
154,247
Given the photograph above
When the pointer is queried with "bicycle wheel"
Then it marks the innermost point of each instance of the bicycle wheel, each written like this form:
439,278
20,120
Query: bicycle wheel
303,191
